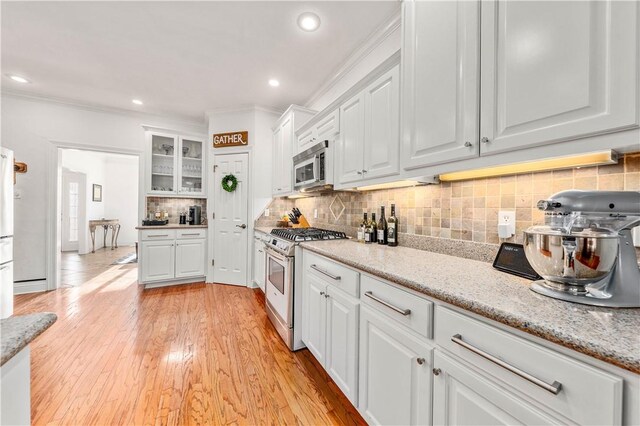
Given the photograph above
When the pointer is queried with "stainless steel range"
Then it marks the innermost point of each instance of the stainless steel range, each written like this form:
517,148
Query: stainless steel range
283,303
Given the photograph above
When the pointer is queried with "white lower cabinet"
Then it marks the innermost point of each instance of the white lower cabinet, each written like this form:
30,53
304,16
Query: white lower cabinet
259,260
157,260
395,373
167,255
464,397
330,331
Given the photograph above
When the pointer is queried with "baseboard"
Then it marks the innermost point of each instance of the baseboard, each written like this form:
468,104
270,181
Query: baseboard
30,287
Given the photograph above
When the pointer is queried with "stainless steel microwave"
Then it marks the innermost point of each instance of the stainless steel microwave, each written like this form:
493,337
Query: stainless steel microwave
312,169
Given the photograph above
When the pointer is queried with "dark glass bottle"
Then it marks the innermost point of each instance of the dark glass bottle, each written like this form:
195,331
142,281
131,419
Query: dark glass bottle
382,228
392,228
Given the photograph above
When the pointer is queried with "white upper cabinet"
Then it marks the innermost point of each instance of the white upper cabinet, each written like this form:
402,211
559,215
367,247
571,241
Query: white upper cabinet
369,142
283,146
557,70
350,147
382,128
175,166
440,94
324,129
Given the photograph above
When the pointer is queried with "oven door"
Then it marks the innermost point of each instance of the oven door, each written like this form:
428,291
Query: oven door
307,172
279,285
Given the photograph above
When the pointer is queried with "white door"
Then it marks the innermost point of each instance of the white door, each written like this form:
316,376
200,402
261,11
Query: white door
350,144
190,258
314,316
341,360
158,260
441,82
395,373
463,397
557,70
73,192
382,128
230,241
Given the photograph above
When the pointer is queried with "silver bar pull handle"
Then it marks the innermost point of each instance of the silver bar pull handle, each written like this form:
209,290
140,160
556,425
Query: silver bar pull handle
401,311
185,235
155,236
333,277
554,388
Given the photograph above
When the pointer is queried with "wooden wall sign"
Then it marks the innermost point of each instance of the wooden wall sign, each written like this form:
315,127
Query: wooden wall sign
224,140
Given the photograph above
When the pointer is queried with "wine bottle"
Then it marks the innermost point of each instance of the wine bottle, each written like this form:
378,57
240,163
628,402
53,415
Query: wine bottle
382,228
373,226
362,228
392,228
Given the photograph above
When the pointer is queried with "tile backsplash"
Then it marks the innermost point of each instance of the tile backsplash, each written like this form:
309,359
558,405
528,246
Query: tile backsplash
175,205
468,210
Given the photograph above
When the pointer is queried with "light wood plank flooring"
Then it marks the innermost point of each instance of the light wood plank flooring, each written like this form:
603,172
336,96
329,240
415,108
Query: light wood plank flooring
195,354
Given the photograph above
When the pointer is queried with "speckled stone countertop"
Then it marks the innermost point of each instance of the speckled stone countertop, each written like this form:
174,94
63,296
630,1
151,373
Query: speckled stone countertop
17,332
611,335
170,226
263,229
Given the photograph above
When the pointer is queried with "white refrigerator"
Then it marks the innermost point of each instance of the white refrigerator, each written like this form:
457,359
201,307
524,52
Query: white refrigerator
6,233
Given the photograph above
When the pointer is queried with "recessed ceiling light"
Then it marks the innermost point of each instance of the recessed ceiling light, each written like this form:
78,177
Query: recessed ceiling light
274,83
309,21
137,101
18,78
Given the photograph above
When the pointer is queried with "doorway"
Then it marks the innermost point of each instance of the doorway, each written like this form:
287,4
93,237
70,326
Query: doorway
98,210
230,241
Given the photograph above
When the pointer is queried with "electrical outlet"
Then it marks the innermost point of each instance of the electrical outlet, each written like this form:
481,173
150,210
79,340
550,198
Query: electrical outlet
266,212
506,223
315,213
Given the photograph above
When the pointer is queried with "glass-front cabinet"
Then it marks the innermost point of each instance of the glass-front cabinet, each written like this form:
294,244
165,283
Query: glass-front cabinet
176,165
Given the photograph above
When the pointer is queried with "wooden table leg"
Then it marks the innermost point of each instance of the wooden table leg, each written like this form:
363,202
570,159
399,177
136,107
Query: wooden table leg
92,230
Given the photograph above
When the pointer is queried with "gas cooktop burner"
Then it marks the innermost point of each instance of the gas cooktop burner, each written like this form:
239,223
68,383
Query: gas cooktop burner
308,234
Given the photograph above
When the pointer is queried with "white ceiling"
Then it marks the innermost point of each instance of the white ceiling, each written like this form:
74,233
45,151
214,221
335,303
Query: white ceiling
180,58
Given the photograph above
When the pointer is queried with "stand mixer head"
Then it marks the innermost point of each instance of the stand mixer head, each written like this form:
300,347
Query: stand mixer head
584,251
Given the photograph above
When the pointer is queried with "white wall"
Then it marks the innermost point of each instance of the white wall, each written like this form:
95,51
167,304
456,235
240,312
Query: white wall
28,127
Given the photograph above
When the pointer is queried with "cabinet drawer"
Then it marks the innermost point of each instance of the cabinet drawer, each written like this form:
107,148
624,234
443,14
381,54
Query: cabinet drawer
191,233
524,363
332,273
409,309
157,234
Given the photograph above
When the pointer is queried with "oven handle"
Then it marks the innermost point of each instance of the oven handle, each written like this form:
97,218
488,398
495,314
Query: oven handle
271,252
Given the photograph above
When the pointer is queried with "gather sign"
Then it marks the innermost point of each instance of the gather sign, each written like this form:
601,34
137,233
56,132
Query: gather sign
223,140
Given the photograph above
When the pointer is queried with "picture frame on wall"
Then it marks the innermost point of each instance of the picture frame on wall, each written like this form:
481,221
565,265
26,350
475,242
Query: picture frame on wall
97,192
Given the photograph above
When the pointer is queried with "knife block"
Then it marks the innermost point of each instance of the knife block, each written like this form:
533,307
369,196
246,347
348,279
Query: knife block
303,223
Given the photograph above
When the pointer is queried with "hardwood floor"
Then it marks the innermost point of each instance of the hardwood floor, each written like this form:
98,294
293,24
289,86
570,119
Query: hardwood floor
195,354
78,269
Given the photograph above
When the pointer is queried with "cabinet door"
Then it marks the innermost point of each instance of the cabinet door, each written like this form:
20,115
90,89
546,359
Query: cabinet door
286,176
342,341
191,166
440,55
328,127
557,70
381,126
163,164
259,263
190,255
157,260
306,140
395,373
350,144
314,316
464,397
276,176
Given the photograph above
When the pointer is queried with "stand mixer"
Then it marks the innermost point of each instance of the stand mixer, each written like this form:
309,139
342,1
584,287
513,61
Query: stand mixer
584,251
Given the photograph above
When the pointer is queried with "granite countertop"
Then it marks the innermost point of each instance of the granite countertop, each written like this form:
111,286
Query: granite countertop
170,226
263,229
17,332
608,334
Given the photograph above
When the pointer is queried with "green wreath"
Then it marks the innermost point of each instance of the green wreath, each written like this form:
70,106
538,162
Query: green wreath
229,183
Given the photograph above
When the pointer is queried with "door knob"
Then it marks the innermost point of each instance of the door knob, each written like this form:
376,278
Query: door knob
420,361
484,140
468,144
243,226
436,371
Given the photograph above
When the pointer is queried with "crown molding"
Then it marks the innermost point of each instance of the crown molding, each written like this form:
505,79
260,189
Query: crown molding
376,38
244,108
99,108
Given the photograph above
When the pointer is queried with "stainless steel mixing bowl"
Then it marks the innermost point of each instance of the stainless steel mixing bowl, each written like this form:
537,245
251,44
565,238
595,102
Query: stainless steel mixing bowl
577,259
